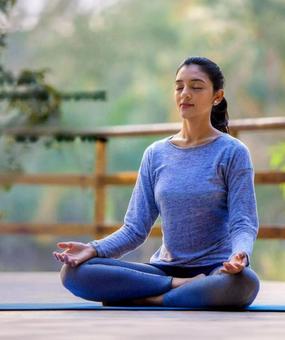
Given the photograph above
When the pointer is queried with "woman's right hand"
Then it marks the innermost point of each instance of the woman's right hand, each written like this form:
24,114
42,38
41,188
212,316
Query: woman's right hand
74,253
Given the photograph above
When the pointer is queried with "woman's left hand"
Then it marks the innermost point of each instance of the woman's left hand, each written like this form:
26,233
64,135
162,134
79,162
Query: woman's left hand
236,264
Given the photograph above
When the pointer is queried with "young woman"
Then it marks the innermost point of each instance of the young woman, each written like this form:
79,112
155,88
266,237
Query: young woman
201,182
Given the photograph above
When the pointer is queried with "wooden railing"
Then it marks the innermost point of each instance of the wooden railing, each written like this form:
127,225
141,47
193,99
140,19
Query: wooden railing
100,179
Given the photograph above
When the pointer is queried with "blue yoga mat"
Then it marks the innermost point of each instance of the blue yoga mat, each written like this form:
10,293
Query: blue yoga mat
94,306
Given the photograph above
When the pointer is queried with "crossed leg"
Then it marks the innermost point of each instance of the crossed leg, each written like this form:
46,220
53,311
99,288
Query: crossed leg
217,290
105,279
116,281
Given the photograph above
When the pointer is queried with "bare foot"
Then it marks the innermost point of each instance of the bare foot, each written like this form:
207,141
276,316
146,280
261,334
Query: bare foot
149,301
178,281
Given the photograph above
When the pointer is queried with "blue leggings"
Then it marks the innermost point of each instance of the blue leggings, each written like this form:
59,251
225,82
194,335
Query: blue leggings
117,282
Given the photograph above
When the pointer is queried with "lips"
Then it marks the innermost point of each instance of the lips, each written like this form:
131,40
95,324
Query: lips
185,105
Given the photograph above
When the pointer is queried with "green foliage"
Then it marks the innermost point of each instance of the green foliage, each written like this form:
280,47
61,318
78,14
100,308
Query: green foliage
268,254
5,7
10,155
277,161
278,157
30,95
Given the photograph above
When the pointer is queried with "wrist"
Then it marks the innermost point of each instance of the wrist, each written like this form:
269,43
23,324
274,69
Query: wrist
92,247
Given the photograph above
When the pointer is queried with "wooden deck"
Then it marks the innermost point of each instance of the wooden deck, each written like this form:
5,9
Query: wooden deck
53,325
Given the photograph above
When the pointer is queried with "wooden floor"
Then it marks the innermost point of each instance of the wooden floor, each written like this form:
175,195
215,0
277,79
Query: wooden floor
53,325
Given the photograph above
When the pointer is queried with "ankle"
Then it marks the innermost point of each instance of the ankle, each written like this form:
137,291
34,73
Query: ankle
176,282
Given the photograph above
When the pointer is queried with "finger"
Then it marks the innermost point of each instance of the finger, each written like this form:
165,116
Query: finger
60,256
65,251
226,271
73,263
241,257
234,263
228,265
55,255
64,245
65,259
239,265
232,269
237,257
229,271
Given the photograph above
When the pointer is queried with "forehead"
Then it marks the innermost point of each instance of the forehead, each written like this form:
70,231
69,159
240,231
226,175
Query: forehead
191,72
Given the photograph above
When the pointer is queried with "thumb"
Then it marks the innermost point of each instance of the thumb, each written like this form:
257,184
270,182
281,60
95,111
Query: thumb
241,257
64,245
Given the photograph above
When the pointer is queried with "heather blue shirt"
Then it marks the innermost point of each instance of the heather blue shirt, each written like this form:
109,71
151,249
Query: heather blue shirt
205,198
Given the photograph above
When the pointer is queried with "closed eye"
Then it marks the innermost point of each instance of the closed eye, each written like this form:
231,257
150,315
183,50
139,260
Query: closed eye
193,88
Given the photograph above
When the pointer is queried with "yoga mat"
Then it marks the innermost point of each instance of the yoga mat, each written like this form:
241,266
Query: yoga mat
95,306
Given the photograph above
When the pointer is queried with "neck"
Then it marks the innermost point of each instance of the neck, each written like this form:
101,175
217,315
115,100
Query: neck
197,130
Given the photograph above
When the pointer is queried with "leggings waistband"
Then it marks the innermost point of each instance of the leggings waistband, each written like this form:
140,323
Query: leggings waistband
180,271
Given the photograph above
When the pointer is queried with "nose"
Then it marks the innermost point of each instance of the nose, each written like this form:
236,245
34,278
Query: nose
185,93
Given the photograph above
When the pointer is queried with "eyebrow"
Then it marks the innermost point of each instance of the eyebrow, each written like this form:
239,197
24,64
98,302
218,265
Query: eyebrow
196,79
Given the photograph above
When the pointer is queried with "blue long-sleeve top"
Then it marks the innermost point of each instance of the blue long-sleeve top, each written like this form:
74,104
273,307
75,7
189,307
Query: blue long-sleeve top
205,197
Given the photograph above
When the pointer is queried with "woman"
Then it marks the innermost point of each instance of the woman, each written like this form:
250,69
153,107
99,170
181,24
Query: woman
201,182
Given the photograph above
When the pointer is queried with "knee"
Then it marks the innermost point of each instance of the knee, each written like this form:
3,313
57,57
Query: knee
67,276
72,279
247,287
72,276
78,279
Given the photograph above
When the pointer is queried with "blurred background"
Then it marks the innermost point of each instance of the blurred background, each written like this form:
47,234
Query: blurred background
131,49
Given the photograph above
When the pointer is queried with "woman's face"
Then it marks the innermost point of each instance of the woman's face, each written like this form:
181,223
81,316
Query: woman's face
194,92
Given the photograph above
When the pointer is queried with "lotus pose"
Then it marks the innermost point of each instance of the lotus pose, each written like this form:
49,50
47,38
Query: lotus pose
200,182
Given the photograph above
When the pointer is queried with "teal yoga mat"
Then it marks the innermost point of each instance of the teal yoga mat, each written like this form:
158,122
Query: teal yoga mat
95,306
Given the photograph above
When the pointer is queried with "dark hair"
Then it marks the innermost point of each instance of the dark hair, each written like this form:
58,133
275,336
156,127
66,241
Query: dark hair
219,113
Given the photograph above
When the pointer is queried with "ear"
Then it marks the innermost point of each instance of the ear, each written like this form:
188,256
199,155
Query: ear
218,97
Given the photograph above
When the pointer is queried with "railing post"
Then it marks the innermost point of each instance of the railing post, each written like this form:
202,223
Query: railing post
234,133
100,191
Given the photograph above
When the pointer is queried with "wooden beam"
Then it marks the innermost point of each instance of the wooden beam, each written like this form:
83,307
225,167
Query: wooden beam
269,177
247,124
271,232
100,188
75,229
119,178
62,229
47,179
255,124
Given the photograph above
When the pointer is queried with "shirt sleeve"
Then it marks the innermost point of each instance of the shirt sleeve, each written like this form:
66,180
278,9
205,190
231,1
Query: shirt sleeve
242,207
141,214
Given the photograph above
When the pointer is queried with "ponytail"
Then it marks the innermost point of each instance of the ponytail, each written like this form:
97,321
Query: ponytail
220,117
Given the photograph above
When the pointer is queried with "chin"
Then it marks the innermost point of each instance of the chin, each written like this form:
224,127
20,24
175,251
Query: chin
185,114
